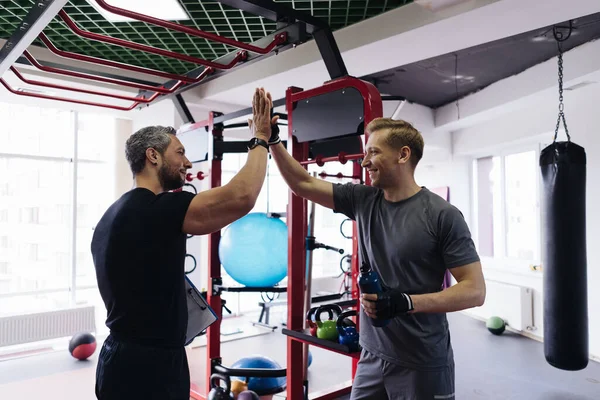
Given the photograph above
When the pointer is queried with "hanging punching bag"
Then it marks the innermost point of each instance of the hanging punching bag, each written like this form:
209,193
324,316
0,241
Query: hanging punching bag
563,167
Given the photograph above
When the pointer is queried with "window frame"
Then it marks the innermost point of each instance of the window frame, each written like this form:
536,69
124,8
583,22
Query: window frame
71,286
501,261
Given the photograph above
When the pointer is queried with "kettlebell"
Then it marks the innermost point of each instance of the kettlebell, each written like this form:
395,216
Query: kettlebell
311,320
217,392
347,333
248,395
238,386
327,329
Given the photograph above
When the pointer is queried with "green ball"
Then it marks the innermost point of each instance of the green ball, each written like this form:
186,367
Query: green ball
496,325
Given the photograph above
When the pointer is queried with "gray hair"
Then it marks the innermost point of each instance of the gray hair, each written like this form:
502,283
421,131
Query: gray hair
156,137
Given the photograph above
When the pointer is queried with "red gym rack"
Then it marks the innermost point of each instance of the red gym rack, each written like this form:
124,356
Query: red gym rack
297,229
297,234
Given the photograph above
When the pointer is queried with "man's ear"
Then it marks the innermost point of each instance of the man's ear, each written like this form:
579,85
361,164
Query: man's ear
404,155
152,155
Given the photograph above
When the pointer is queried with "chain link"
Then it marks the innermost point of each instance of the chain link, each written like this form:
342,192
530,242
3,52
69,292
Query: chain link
561,107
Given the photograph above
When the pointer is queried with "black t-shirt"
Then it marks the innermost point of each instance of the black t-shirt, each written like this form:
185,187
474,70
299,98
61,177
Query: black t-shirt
139,251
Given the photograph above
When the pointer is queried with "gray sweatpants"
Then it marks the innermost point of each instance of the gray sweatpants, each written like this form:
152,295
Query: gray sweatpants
377,379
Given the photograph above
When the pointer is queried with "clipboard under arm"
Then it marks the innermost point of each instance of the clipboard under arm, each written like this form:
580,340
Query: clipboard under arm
200,314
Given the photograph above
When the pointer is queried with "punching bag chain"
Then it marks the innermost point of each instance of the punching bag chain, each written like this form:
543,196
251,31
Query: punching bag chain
560,37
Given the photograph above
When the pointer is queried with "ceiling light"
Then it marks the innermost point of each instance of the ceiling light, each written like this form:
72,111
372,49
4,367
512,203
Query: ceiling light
168,10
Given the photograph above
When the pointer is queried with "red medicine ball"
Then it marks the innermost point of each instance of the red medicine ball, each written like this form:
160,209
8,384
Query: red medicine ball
82,345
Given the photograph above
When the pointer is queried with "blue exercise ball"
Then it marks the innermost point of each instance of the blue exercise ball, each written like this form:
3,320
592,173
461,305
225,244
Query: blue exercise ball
262,386
254,250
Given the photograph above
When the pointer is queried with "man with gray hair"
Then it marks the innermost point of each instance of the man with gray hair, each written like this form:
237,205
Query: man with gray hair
139,249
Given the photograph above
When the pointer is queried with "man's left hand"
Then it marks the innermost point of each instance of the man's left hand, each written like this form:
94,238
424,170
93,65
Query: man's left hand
387,305
369,304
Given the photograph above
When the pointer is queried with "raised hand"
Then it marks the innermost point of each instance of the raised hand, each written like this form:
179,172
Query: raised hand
260,124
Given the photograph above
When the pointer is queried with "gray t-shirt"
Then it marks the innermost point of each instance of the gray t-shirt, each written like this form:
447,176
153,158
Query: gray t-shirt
410,243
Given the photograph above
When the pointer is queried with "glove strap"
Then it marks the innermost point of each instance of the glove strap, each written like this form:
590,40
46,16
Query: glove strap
274,139
411,307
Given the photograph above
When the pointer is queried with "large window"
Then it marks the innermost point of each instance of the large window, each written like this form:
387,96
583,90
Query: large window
53,189
95,193
506,192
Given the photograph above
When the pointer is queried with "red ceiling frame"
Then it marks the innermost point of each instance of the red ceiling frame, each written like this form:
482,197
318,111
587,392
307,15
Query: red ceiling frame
142,47
156,91
278,39
87,103
82,75
108,63
240,56
139,99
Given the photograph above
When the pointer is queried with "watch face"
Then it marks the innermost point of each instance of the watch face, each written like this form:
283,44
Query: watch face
252,143
255,142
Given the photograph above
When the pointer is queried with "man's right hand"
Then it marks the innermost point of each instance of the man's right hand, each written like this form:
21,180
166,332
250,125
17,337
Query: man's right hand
260,124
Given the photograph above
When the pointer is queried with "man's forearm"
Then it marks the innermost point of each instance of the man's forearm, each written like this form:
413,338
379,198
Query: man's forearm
250,178
292,172
463,295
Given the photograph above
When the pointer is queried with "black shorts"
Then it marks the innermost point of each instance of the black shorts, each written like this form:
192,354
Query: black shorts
129,371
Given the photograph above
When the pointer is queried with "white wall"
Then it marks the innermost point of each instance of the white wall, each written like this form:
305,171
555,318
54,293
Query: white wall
454,174
530,125
161,113
123,176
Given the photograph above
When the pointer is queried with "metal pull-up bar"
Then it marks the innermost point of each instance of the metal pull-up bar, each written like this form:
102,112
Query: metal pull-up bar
87,103
142,47
41,16
139,99
278,39
293,26
82,75
108,63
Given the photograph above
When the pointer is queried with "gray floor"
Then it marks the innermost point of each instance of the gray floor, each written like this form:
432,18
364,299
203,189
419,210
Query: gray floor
512,367
487,366
37,366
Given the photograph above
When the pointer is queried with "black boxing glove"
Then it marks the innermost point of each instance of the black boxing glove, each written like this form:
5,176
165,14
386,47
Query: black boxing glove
392,303
274,139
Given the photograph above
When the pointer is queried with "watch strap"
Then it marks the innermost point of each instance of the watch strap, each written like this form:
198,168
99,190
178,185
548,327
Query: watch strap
258,142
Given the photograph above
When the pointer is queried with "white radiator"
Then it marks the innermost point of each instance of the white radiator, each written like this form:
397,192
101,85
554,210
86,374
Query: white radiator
28,328
512,303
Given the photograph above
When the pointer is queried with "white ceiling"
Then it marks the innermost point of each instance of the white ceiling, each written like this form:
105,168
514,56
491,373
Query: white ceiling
402,36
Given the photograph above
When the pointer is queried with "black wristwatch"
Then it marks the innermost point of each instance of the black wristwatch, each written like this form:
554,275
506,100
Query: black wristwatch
252,143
